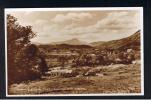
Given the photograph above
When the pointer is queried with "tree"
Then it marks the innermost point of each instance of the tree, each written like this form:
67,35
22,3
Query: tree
23,57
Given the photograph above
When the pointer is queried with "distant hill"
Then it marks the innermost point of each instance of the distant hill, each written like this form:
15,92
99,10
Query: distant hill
64,46
73,41
94,44
132,41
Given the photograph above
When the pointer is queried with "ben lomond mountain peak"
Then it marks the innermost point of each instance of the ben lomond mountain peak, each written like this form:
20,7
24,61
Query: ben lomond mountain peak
132,41
73,41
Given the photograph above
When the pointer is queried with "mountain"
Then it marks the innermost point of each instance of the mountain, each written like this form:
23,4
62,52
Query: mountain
69,44
73,41
94,44
132,41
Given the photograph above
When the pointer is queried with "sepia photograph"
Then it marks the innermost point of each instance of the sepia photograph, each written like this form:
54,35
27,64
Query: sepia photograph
74,51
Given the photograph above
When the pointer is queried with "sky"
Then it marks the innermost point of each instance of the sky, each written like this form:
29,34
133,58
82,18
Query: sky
88,26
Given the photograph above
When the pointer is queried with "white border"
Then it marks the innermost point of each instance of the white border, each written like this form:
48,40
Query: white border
7,10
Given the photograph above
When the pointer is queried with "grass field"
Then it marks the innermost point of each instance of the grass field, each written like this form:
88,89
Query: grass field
117,78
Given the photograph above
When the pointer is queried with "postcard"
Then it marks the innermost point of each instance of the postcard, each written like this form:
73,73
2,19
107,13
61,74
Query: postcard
74,51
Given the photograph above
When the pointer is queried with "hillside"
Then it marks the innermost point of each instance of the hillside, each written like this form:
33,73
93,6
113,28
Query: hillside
63,46
73,41
132,41
94,44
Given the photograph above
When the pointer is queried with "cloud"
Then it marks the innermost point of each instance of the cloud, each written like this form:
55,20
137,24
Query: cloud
84,25
41,22
72,17
115,25
118,21
113,22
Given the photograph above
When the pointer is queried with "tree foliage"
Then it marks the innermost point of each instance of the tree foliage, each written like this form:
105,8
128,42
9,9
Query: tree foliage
24,58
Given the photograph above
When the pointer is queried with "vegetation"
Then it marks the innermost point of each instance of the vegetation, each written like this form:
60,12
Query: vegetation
75,68
24,58
110,79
